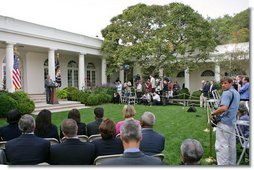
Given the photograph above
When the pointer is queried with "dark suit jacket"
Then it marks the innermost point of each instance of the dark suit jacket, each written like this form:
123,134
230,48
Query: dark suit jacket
27,150
93,128
133,158
108,146
152,142
9,132
206,89
81,129
72,152
53,133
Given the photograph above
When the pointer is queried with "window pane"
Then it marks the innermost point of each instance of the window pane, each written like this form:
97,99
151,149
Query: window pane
75,78
93,77
69,78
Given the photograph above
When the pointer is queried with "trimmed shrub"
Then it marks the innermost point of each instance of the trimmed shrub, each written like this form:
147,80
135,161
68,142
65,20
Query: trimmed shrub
195,95
18,96
6,104
84,97
93,99
26,106
184,93
62,94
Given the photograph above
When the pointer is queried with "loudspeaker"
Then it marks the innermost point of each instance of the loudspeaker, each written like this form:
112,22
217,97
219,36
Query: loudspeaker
192,109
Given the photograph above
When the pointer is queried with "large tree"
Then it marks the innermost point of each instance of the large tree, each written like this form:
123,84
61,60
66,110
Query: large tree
229,29
155,37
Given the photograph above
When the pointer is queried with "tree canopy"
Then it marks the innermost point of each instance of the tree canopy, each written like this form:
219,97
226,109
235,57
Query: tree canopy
231,29
155,37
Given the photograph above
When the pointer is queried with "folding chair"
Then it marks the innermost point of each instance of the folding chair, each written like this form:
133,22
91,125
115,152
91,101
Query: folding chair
242,139
2,144
216,94
99,159
93,137
159,155
83,138
210,105
3,160
52,141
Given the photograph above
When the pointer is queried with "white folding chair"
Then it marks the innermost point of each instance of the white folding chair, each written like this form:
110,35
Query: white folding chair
93,137
242,139
2,144
52,141
99,159
159,155
210,104
216,94
3,160
83,138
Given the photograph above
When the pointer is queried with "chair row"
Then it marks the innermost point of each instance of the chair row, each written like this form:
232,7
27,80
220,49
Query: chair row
53,141
83,138
99,159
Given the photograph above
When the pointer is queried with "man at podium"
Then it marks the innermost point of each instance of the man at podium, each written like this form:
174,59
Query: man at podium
50,91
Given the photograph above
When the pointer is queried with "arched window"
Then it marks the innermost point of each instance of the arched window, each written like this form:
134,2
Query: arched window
90,75
207,73
180,74
72,74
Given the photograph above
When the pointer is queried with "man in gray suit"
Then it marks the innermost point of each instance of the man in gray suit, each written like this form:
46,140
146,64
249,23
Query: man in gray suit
130,134
152,142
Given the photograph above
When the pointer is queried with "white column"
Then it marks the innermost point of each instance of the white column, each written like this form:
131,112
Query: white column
51,64
9,66
81,73
187,78
217,72
121,76
103,71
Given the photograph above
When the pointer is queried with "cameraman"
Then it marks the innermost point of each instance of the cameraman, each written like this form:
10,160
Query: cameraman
225,144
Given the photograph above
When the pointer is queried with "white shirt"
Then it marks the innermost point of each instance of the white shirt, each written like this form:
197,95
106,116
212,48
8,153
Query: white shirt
157,97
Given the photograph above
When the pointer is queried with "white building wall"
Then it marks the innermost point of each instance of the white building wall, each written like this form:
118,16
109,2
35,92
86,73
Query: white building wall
35,72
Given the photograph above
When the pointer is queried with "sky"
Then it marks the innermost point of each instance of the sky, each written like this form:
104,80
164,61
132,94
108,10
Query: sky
89,17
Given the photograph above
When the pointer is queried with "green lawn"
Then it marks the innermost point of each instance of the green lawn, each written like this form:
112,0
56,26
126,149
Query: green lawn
174,122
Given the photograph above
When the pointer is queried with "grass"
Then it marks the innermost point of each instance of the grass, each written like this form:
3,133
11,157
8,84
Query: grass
174,122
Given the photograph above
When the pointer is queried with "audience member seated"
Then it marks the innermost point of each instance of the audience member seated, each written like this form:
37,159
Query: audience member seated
75,115
72,151
44,127
116,98
152,142
131,136
146,99
191,152
11,131
93,127
156,99
109,144
128,113
27,149
243,115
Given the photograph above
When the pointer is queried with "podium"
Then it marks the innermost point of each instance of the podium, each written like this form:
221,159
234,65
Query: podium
53,98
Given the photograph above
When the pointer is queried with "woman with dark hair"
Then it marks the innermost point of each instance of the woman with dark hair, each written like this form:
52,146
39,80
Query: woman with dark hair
75,115
108,144
11,131
44,128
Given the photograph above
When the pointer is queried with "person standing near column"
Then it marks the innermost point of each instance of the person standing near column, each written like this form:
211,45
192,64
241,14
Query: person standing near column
48,84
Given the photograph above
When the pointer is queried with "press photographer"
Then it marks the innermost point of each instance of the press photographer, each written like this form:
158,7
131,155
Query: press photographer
225,144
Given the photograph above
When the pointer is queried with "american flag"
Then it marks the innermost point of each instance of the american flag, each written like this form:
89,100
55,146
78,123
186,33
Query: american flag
16,73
